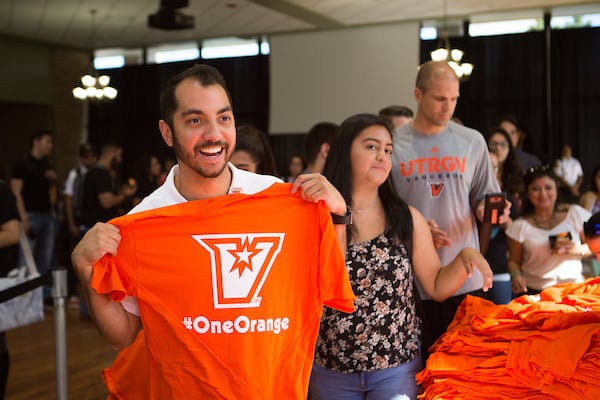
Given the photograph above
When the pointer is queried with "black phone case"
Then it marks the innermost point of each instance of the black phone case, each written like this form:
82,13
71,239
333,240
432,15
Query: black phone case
494,206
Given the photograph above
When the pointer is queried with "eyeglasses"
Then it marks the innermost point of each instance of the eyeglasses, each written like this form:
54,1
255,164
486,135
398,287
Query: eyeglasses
493,144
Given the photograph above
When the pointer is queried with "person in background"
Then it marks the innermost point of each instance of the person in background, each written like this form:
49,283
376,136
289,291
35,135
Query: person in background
34,185
570,175
73,198
590,199
9,238
509,172
397,115
494,246
374,353
510,124
444,171
544,243
510,177
146,172
591,230
253,151
167,164
103,194
295,167
316,144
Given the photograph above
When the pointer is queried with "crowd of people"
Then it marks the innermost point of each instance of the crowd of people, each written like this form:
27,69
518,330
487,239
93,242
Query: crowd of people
405,191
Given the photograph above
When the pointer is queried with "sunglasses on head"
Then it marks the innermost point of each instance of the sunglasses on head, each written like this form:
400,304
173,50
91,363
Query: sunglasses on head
591,230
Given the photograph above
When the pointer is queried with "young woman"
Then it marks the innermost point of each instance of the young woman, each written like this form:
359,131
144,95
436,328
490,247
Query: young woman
253,152
509,172
295,167
544,244
510,178
590,200
375,352
146,172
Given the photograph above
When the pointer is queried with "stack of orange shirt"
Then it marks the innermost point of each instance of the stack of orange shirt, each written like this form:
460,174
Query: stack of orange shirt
536,347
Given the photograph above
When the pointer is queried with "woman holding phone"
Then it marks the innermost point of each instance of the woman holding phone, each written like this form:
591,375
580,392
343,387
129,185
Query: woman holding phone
545,242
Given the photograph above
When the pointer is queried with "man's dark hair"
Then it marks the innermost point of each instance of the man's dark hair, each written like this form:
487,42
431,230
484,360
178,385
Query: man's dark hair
110,145
204,74
396,111
591,228
86,150
37,135
322,132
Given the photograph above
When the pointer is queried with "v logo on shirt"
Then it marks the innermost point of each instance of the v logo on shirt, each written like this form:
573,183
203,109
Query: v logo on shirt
436,189
240,265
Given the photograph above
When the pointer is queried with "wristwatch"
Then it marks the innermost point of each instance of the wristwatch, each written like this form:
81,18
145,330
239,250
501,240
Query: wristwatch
343,219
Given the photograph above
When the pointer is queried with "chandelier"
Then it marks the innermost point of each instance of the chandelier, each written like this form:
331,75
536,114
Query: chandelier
94,86
453,56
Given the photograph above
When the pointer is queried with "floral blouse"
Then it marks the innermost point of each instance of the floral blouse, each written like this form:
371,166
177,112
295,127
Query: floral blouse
384,330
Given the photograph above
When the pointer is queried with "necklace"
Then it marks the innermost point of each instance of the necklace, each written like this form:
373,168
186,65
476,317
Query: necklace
548,224
361,210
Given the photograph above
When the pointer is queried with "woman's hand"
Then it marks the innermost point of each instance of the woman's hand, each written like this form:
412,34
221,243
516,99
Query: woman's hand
518,284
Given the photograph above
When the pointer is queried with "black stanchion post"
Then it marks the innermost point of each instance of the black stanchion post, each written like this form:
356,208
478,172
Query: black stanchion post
59,294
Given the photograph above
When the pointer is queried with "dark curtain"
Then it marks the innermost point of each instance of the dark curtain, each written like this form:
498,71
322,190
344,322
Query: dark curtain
510,78
132,118
576,94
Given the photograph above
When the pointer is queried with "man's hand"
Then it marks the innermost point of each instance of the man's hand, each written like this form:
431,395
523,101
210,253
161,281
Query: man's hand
99,240
440,237
315,187
504,217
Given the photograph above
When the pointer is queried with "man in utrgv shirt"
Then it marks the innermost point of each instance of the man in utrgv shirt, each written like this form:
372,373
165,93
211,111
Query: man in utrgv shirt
443,169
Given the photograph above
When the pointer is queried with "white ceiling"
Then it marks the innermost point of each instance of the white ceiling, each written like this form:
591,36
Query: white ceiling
123,23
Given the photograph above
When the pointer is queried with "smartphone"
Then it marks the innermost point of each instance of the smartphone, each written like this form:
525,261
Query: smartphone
566,236
494,207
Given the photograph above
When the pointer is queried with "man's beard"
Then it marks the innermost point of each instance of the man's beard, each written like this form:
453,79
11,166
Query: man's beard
182,158
115,164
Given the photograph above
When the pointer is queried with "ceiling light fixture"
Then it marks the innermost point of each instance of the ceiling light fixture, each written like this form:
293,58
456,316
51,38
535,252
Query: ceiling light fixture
453,56
93,86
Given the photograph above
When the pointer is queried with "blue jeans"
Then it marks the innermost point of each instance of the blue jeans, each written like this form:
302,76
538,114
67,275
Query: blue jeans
43,229
396,383
501,291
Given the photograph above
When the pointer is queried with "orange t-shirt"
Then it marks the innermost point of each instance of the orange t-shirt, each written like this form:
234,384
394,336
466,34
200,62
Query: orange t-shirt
230,292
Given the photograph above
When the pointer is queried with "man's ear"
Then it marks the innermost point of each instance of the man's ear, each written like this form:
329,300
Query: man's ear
417,92
166,132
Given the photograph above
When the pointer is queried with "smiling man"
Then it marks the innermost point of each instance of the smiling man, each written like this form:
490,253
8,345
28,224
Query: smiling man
209,320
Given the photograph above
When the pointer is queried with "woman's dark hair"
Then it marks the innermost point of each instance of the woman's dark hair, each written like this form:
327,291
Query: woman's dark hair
141,167
338,172
532,174
593,187
256,143
512,173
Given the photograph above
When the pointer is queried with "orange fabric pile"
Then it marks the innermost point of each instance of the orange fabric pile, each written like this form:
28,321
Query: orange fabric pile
536,347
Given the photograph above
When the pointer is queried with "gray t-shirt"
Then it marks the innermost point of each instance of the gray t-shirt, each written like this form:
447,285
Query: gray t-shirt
444,176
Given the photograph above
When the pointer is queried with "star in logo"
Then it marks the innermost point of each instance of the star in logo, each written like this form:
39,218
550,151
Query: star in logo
243,256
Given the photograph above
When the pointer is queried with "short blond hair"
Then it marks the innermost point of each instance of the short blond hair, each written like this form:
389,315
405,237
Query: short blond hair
431,71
